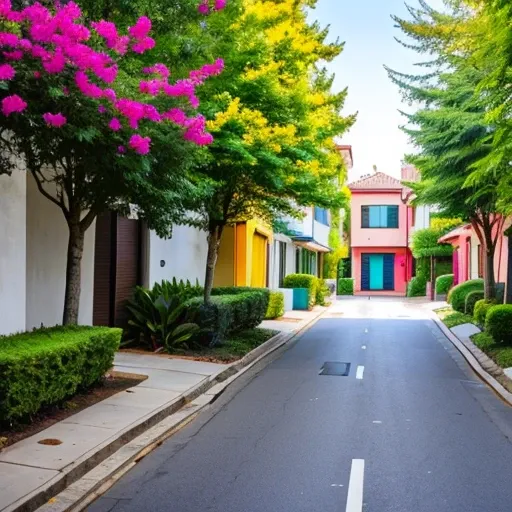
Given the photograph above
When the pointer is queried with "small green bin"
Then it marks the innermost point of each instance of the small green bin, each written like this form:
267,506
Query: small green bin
301,299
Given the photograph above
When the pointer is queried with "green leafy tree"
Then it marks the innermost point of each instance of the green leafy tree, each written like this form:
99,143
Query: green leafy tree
450,130
57,117
274,119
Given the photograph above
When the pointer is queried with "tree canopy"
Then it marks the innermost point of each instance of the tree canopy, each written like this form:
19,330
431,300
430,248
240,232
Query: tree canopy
451,126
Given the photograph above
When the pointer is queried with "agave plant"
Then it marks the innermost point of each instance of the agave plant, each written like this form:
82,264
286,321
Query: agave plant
160,321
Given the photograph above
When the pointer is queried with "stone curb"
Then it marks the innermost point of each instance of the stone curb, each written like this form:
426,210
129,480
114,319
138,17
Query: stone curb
481,364
93,477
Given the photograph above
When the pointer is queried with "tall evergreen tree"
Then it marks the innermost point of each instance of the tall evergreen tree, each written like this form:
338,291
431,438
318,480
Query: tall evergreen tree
450,129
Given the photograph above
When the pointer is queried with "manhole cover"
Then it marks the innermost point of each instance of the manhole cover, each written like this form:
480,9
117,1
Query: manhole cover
334,368
50,442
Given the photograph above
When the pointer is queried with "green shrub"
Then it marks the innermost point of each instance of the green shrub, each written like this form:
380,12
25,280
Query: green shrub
499,323
457,295
417,287
303,281
275,305
345,286
481,309
471,299
322,291
159,322
444,283
226,314
46,366
168,289
236,290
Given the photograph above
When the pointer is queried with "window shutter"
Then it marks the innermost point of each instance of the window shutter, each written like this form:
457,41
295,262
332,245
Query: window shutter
389,271
365,272
365,216
392,217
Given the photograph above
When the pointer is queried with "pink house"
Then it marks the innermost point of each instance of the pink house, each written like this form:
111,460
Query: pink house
380,227
468,256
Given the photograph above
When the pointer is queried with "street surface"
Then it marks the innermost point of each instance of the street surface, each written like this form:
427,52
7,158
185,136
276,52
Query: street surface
410,429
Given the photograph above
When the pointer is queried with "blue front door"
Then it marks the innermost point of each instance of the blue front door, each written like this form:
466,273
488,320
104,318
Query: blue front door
378,272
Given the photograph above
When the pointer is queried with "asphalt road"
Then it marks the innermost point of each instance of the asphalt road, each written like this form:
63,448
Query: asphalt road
410,429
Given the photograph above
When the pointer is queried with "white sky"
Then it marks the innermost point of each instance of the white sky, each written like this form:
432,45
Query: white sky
368,32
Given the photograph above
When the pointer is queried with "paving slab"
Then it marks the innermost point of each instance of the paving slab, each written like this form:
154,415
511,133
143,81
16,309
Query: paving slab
76,441
110,416
17,481
508,372
168,380
465,331
141,361
145,398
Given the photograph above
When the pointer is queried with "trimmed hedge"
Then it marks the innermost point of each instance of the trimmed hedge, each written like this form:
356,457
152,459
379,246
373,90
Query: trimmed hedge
303,281
457,295
228,312
417,287
345,286
471,299
444,283
48,365
481,309
275,306
499,323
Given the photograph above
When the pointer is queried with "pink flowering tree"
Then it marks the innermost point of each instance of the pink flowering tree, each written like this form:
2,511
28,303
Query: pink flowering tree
95,131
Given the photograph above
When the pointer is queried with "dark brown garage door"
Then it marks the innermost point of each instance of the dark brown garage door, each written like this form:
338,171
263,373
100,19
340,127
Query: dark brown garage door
117,266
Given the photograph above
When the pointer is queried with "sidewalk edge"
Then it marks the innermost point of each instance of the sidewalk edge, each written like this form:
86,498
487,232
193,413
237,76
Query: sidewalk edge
473,361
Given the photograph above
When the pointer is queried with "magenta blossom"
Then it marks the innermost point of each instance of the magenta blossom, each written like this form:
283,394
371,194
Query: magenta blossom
102,109
55,120
7,72
203,8
115,124
220,4
37,74
15,55
140,144
121,149
141,29
12,104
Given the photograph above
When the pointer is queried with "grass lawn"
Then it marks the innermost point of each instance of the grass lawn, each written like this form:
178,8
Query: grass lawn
453,318
501,354
233,348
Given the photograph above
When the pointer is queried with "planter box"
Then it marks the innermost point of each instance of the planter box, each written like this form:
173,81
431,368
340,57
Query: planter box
300,299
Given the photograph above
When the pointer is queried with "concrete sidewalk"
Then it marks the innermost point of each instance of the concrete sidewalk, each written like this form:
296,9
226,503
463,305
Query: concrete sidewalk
28,465
29,468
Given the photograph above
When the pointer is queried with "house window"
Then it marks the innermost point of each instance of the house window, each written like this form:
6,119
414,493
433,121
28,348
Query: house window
379,216
322,216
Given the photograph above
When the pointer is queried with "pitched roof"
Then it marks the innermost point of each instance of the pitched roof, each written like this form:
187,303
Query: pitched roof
455,233
377,181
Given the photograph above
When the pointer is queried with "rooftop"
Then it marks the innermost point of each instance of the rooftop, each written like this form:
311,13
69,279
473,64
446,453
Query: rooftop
377,181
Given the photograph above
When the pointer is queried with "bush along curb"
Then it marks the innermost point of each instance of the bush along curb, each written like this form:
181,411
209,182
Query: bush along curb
481,364
103,468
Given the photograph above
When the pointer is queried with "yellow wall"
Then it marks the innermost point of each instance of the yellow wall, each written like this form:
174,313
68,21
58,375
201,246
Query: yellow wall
241,262
224,269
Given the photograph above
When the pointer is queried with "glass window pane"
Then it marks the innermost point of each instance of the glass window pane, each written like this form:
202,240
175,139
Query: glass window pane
374,216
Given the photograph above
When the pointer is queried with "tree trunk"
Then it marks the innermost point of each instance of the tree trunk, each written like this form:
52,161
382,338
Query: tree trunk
490,281
214,237
73,272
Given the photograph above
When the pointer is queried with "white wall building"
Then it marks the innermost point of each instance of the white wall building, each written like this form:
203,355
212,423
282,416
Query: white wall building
33,251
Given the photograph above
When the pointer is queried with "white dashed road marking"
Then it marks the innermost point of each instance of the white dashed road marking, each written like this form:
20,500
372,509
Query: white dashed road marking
355,487
359,372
